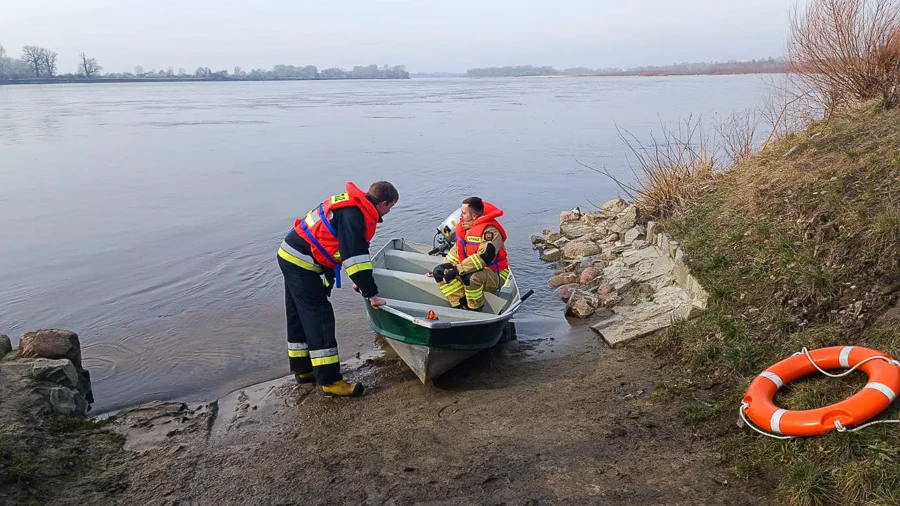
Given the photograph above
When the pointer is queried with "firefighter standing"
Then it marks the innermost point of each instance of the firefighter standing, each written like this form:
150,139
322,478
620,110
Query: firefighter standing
336,234
479,260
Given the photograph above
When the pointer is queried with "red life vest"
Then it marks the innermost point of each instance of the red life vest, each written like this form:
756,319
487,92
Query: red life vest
316,227
468,241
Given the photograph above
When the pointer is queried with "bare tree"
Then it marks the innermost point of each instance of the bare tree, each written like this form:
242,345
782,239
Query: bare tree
138,70
847,50
33,57
48,59
4,61
182,72
88,67
170,72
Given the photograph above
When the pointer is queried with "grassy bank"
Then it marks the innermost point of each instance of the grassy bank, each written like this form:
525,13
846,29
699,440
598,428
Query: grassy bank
798,246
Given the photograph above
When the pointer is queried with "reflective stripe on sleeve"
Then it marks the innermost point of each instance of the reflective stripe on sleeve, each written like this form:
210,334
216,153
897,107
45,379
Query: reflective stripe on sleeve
357,264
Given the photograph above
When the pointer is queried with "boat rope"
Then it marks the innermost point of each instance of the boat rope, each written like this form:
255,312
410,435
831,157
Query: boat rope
837,423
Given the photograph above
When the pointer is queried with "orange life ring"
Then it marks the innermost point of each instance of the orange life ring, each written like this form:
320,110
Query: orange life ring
875,397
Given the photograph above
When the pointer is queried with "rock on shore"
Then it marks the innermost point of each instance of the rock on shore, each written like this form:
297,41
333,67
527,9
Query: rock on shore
618,269
48,373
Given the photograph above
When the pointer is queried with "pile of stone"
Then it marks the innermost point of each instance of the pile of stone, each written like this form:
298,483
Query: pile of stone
48,368
617,269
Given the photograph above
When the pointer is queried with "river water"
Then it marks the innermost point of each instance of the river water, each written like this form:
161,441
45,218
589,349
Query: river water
146,217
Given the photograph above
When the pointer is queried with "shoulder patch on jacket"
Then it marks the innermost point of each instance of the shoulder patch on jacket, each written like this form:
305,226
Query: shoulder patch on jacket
488,236
340,198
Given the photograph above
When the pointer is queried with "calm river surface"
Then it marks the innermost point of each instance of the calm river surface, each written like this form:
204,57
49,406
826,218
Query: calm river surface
146,217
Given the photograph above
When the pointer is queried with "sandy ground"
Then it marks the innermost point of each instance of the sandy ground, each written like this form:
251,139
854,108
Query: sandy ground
516,425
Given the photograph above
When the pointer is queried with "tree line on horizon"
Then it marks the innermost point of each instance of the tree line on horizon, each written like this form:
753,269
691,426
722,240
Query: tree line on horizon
767,65
39,63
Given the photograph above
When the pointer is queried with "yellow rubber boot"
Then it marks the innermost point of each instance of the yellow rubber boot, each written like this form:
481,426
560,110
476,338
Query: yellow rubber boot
306,377
343,389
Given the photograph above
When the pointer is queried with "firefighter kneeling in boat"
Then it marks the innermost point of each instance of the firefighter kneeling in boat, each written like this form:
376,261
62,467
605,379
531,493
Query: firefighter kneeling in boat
479,262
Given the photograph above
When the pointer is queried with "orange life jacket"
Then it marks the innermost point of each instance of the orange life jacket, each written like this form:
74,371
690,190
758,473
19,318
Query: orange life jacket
468,241
316,227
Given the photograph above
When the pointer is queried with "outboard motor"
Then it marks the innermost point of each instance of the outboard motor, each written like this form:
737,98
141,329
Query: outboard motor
445,238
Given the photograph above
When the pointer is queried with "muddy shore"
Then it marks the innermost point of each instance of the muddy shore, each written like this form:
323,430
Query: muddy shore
580,423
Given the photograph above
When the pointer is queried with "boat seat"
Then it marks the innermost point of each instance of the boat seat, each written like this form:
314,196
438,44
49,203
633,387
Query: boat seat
415,287
408,261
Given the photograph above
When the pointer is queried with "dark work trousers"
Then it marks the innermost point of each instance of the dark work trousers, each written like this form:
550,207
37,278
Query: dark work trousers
310,324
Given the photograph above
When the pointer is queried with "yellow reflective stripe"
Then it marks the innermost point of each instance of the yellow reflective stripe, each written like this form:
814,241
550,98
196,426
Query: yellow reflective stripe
451,287
504,275
327,352
298,353
364,266
299,262
356,260
311,219
452,258
334,359
474,294
473,238
479,263
357,264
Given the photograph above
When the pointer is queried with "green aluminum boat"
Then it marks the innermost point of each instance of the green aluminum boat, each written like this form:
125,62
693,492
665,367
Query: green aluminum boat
432,347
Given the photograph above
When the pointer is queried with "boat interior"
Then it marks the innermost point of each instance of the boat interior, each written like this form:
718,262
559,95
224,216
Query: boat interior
399,269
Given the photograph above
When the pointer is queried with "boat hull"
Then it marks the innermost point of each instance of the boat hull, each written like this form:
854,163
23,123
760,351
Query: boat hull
432,352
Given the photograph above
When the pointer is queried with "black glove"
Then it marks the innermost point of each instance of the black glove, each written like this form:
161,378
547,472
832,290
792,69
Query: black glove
450,274
438,272
329,282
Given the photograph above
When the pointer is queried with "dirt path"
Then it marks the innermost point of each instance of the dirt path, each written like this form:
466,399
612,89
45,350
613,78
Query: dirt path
577,428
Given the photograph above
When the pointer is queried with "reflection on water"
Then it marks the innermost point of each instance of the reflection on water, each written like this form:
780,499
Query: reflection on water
146,217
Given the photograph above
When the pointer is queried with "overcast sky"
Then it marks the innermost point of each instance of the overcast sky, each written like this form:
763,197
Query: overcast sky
424,35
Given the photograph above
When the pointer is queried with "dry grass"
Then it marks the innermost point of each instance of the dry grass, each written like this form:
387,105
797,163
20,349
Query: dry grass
845,51
679,163
798,250
673,168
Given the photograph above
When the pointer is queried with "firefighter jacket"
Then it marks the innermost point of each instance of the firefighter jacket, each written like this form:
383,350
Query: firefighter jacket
336,234
481,244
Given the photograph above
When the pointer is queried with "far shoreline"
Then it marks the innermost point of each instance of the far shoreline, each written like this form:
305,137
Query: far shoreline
25,82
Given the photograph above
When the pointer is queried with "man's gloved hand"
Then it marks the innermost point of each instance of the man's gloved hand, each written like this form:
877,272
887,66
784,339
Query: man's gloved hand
438,271
329,282
450,274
